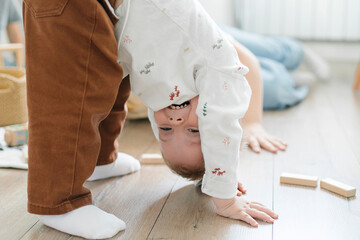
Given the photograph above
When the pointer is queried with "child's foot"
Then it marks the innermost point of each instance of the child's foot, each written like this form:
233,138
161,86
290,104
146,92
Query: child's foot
124,164
88,222
317,64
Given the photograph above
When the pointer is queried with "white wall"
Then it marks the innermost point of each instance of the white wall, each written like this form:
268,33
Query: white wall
222,11
337,20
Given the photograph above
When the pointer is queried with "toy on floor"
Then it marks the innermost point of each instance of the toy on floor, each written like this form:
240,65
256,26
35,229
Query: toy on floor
151,158
11,156
327,183
337,187
299,179
16,135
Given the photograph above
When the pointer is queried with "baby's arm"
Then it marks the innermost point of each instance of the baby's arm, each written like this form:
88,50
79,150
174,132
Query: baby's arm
239,208
224,97
254,132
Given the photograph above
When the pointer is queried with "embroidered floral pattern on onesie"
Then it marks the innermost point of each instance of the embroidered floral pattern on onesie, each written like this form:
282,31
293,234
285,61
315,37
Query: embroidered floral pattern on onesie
226,141
217,172
240,68
147,68
225,85
127,39
174,94
204,109
195,73
218,44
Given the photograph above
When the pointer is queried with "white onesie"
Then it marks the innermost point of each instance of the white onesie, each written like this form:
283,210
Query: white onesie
173,52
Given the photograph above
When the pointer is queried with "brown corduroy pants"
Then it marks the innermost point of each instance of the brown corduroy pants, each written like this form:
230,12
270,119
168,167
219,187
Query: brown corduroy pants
76,99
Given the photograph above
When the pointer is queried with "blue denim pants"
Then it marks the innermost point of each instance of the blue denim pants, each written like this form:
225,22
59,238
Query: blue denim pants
277,56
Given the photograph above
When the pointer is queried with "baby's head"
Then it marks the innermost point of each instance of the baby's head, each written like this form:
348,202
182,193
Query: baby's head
180,139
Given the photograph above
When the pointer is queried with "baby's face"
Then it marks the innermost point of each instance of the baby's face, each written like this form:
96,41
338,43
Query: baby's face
179,134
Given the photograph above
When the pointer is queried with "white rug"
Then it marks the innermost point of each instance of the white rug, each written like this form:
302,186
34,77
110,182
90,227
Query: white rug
11,157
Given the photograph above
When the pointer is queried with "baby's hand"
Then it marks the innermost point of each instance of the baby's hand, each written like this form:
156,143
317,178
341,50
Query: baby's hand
240,209
257,137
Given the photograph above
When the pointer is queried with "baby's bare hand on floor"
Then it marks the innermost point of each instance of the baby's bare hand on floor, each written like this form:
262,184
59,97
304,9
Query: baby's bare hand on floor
258,138
240,209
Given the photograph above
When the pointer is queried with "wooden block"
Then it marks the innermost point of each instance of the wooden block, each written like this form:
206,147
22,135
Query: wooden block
16,135
337,187
299,179
151,158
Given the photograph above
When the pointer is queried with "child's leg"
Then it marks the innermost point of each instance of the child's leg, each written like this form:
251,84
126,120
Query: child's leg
111,163
279,86
271,84
111,126
284,50
72,81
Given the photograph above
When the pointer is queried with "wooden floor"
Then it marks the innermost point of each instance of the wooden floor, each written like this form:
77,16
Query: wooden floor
323,133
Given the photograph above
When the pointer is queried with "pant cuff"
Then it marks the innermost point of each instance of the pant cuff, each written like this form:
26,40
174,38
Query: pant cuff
63,208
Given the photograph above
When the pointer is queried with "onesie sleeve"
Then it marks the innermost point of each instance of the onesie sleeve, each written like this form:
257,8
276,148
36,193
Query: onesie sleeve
223,100
224,97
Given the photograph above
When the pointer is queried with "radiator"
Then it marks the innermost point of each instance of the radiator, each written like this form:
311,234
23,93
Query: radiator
337,20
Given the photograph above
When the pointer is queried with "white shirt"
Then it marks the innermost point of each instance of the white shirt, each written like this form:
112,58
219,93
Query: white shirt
173,52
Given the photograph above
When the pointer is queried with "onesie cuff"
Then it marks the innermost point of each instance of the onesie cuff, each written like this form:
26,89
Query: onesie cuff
218,189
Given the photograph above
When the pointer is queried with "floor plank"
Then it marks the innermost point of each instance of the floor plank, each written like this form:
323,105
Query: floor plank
317,146
14,219
189,214
323,133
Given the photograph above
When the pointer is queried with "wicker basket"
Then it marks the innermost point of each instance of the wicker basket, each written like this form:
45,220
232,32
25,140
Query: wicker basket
13,108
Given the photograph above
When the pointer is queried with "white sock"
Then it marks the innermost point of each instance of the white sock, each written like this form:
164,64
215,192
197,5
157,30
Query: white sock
317,64
123,164
88,222
303,78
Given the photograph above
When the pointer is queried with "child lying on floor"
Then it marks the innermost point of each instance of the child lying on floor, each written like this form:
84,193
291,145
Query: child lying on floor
184,69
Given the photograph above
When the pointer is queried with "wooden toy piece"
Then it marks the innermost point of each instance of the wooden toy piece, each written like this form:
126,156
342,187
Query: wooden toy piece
16,135
151,158
337,187
299,179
